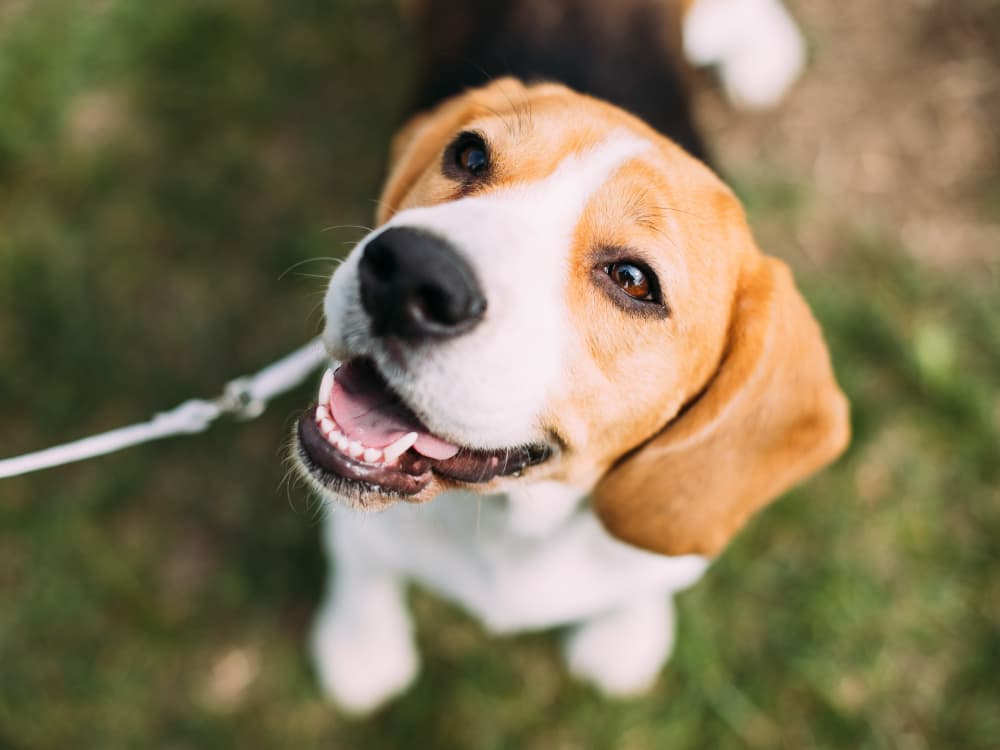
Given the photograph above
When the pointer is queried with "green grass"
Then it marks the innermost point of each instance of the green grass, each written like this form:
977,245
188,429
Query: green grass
161,165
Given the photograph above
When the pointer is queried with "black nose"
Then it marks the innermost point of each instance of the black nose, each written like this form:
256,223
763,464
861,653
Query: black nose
415,285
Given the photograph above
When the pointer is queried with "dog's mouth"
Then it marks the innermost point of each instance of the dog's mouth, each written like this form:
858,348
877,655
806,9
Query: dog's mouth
361,437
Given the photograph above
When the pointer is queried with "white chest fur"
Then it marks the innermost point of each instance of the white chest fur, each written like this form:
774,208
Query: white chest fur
530,561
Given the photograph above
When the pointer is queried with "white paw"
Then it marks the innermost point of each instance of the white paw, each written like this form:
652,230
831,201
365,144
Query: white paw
362,664
759,78
622,653
756,44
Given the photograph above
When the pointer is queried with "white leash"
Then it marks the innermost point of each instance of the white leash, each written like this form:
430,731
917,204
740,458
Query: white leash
243,398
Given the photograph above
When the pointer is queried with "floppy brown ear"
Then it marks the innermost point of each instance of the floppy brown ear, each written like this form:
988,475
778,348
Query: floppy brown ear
771,415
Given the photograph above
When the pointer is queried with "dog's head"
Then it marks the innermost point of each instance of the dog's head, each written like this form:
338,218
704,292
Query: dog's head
557,292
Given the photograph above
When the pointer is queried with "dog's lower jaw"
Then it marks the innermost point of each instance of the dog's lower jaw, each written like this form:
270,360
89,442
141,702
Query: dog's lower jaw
352,499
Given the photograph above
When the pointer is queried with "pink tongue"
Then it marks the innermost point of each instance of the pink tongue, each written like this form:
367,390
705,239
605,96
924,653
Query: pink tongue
367,411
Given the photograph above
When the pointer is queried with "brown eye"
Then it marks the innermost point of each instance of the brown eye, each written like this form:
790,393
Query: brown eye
471,156
630,284
467,160
630,279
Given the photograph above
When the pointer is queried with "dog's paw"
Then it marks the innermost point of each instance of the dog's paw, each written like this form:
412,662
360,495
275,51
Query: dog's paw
362,665
758,79
621,653
756,44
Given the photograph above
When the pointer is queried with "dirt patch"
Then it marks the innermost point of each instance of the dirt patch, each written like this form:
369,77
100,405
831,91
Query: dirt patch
895,125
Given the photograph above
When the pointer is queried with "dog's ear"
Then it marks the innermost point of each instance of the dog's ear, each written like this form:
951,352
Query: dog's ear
770,415
422,139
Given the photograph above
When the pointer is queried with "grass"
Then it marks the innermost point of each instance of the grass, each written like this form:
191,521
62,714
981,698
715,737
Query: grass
161,166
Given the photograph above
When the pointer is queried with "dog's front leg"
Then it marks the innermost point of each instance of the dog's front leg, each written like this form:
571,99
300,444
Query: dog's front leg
362,637
622,651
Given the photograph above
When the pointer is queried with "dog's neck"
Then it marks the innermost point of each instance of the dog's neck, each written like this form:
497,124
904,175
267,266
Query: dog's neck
621,57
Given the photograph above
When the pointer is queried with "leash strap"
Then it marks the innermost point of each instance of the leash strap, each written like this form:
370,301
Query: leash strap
244,398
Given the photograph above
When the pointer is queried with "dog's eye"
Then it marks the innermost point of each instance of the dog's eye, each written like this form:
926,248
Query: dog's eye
472,158
629,283
632,280
470,155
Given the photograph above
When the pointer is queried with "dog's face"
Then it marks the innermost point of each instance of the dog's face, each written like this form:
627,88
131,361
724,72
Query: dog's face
556,292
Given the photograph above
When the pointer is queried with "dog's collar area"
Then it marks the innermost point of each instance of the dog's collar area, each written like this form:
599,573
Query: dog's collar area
361,433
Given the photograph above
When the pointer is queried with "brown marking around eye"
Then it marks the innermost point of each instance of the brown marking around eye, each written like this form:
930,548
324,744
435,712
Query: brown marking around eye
642,369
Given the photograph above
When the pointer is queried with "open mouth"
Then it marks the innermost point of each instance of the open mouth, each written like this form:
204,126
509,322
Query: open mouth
361,436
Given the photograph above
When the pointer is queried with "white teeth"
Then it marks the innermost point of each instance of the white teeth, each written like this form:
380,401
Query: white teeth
326,388
353,448
397,449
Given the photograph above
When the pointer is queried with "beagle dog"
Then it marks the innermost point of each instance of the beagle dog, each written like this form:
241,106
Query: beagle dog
566,377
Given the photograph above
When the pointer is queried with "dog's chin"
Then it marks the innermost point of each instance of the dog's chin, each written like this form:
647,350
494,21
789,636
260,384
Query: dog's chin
356,494
413,479
415,468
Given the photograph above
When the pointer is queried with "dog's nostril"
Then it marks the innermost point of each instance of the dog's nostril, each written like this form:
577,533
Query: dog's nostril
382,262
438,306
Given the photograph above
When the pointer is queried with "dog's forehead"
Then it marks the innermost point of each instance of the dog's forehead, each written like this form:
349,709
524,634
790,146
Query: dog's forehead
622,172
564,190
530,141
533,133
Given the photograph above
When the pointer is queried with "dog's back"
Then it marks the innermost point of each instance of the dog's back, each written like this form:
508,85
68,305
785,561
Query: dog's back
627,52
632,53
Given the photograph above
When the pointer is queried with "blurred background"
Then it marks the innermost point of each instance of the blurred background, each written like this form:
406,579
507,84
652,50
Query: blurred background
163,164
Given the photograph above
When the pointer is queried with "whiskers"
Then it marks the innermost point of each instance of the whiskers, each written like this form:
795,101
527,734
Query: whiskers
295,477
335,261
362,227
322,259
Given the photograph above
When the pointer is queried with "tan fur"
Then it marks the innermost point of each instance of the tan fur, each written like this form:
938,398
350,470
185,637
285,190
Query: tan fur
687,424
771,415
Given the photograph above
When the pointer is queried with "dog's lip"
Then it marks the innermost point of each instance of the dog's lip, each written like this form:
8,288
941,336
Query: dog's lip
322,442
409,476
412,473
366,409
